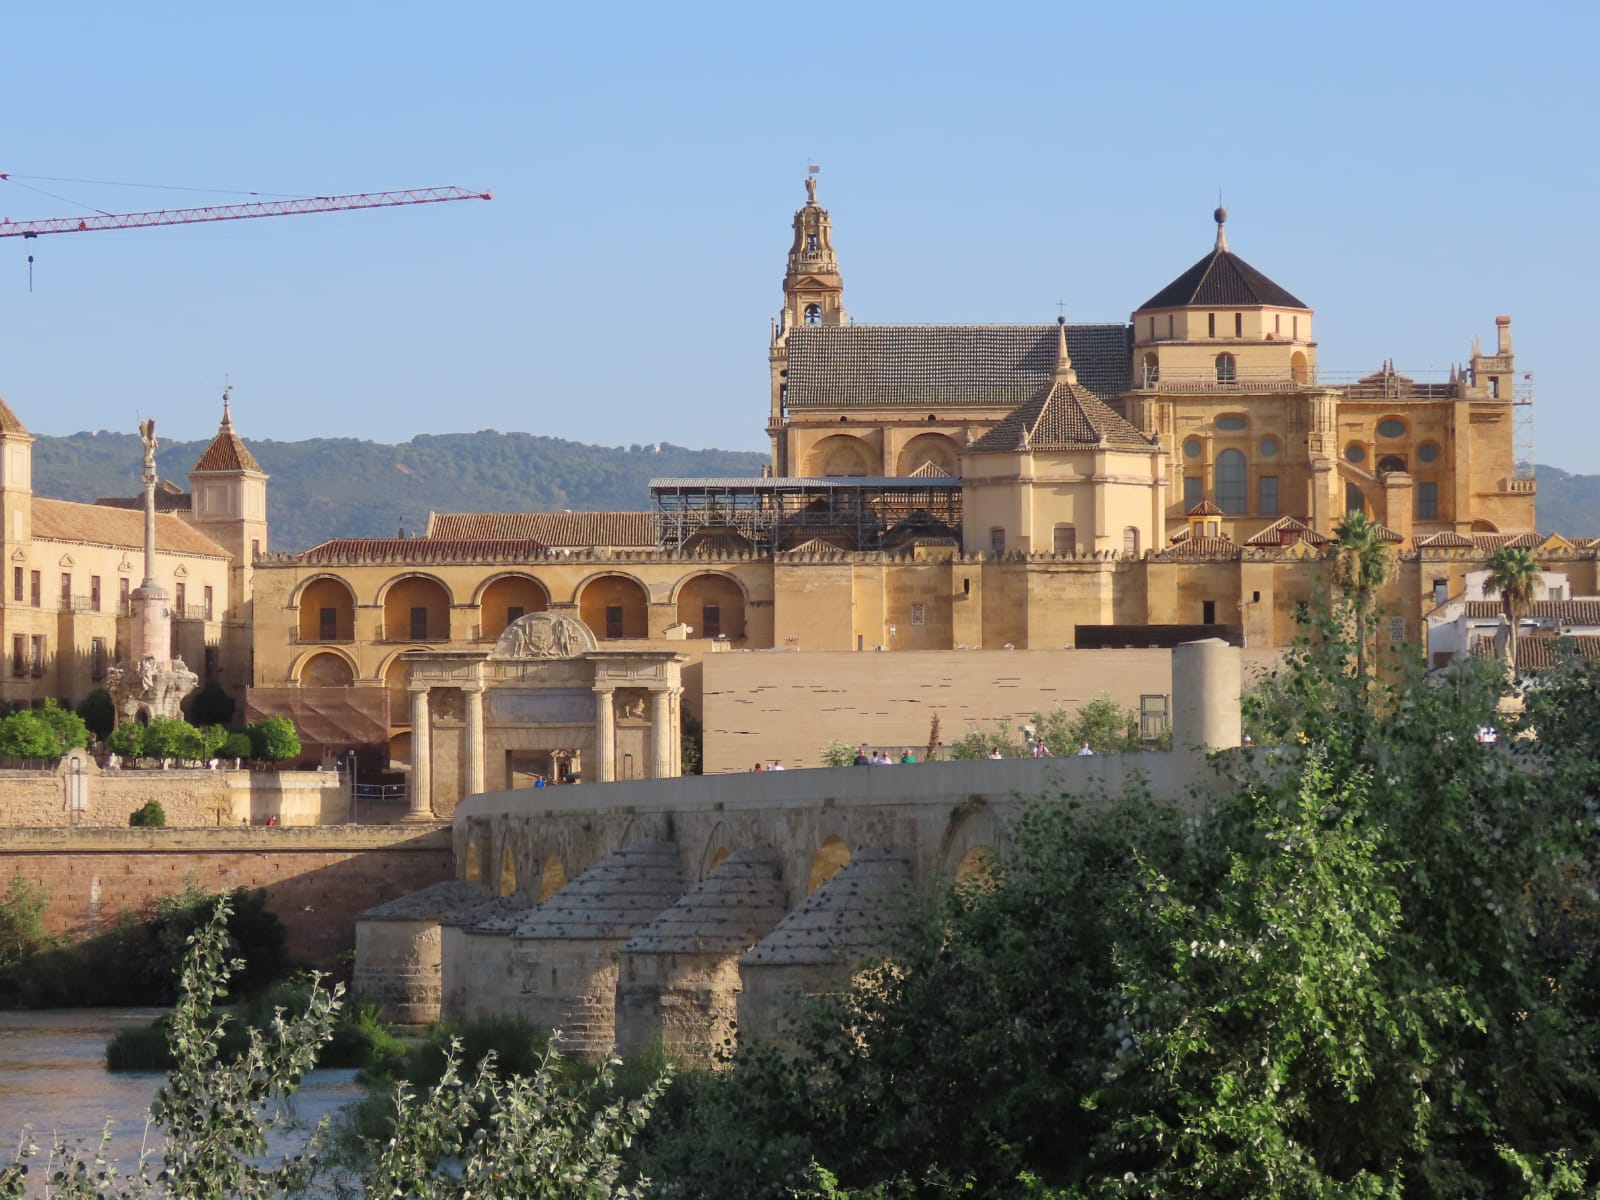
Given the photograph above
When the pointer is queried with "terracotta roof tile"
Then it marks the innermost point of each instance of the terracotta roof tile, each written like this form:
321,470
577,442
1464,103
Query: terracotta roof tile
1446,538
1385,534
356,551
1201,547
1494,541
559,530
717,541
65,521
227,452
1544,652
1558,612
943,366
1285,531
1062,417
8,420
1205,509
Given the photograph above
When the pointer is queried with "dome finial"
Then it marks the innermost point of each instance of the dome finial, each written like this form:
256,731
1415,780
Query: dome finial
227,395
1064,372
1221,218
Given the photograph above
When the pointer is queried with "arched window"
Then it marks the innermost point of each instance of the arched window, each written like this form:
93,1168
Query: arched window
1227,369
1232,490
813,314
1130,541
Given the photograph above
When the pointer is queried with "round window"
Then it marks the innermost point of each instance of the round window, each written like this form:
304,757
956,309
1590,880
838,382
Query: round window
1191,449
1355,452
1269,447
1391,427
1231,424
1428,452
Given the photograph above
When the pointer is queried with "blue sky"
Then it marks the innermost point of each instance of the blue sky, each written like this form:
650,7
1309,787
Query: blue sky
1409,171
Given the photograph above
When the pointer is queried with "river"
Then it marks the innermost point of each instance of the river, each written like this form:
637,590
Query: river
53,1080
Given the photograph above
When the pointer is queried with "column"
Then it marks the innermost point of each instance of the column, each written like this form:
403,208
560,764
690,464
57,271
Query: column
421,757
661,765
605,737
474,746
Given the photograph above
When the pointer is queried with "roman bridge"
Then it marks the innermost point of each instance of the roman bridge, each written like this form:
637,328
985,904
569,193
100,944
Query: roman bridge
684,909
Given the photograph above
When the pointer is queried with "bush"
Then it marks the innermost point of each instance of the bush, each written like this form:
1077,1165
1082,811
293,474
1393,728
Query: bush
151,816
838,754
22,931
273,739
128,740
236,745
99,713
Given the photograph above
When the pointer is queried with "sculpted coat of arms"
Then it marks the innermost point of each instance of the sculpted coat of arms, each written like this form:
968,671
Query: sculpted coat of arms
544,635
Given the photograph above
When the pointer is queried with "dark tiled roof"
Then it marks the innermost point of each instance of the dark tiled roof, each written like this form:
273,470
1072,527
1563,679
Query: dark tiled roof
1273,535
1065,417
1445,538
616,530
1222,280
352,551
940,366
1543,652
1560,612
169,498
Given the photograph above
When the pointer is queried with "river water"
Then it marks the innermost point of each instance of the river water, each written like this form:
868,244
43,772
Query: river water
53,1080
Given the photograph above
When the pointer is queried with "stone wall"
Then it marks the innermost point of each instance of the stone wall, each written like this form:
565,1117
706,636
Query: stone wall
753,713
190,798
316,879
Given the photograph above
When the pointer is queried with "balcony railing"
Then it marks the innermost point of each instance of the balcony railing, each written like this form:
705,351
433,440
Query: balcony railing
191,612
341,633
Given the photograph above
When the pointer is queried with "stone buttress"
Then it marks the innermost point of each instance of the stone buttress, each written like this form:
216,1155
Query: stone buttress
399,950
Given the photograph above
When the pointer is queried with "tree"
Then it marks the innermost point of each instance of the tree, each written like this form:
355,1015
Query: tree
1513,573
22,930
26,734
172,737
99,712
70,729
128,740
273,739
1360,568
1104,724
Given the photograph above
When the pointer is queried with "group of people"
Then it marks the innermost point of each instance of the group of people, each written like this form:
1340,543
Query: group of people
775,765
880,758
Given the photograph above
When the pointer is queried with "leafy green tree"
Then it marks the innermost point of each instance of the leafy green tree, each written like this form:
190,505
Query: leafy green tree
212,738
128,740
1513,573
1104,724
981,743
70,729
26,734
99,712
236,745
22,930
1360,567
273,739
691,741
172,737
838,754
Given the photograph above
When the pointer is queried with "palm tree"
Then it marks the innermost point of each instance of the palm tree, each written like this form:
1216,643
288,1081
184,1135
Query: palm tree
1513,573
1360,567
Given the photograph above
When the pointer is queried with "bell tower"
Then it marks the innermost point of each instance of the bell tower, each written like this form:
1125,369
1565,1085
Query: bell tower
813,293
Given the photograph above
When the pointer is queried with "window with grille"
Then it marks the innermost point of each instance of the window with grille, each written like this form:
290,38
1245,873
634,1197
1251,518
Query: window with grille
919,614
419,623
997,540
613,620
327,624
711,620
94,592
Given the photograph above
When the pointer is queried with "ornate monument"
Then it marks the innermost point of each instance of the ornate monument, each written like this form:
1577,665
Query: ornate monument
151,683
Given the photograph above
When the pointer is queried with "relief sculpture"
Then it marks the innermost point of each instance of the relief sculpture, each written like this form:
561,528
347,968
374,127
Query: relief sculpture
544,635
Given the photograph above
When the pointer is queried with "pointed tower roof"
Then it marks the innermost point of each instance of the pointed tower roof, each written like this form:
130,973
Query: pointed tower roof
1222,280
227,451
1064,415
8,420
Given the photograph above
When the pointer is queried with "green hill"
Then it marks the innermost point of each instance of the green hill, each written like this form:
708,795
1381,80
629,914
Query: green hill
344,487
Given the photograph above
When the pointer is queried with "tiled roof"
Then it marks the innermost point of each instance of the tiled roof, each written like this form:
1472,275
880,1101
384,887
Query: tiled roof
1222,280
354,551
8,420
1560,612
1201,547
169,498
1445,538
1206,509
1385,534
96,525
940,366
1273,535
1495,541
227,452
561,530
1064,417
717,541
1543,652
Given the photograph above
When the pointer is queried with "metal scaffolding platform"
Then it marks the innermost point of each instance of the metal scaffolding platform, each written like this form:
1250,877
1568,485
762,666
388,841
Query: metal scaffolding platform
776,514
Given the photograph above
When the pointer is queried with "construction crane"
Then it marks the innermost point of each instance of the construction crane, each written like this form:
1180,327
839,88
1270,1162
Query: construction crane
234,212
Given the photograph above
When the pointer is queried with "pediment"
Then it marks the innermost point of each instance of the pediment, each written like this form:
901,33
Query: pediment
181,571
19,555
66,561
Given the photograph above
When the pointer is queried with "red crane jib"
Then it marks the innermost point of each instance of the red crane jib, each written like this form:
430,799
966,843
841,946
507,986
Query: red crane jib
236,212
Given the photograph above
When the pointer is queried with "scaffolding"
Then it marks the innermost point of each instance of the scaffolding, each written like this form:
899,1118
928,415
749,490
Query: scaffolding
777,514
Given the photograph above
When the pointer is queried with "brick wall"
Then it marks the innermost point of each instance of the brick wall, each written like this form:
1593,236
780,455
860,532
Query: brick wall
316,879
